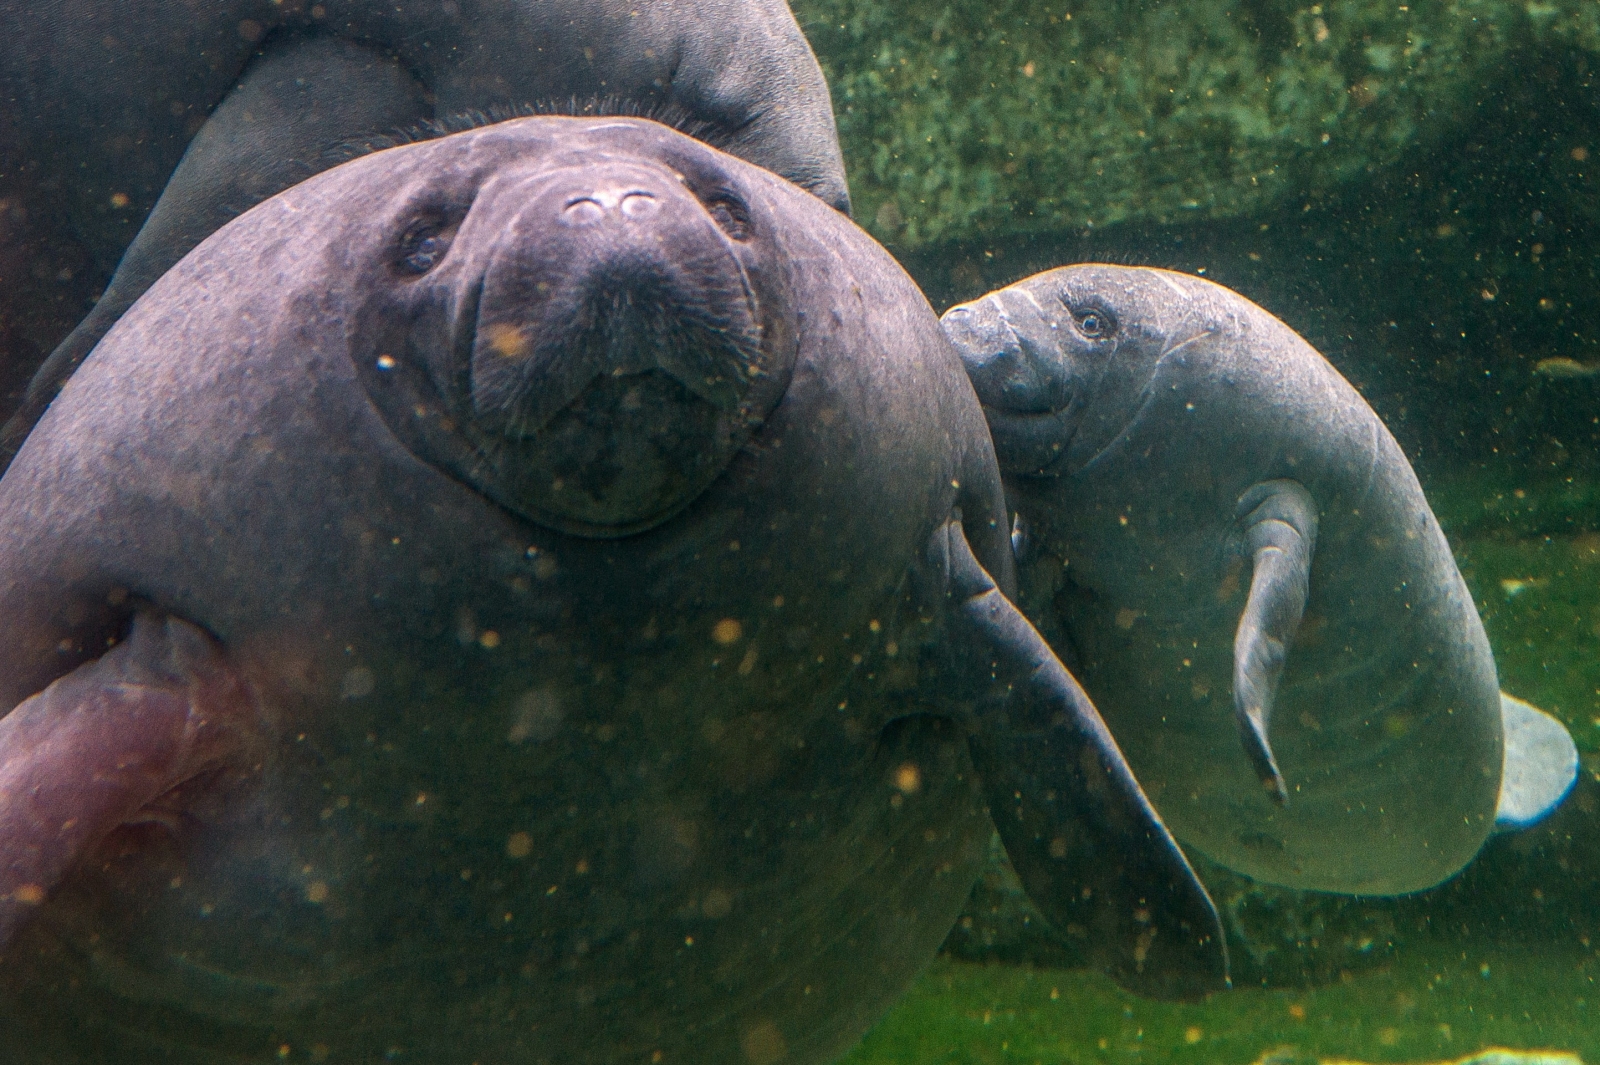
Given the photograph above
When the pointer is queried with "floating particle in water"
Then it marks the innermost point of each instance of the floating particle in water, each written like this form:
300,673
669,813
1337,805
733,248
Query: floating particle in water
1489,1056
717,903
537,716
908,778
1562,368
763,1043
357,683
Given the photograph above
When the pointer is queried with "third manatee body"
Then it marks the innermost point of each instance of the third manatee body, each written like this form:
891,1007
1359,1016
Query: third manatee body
1228,547
131,132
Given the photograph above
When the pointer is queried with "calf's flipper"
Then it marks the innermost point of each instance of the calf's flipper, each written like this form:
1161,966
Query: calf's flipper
103,742
1278,525
1089,848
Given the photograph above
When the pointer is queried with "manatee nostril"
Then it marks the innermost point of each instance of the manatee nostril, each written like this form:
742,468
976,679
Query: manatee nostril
639,205
592,209
583,212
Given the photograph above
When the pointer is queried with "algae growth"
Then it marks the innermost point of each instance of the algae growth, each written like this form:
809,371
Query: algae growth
1423,1008
1020,116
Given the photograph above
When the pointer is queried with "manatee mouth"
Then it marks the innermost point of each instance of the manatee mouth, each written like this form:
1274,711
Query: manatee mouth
633,445
1030,443
617,426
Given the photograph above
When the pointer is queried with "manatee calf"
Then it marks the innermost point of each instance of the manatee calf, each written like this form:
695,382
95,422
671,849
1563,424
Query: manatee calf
1227,543
532,595
137,129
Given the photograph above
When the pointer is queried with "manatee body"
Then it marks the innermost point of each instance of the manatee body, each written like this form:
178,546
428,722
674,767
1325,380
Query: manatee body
1228,545
177,117
526,596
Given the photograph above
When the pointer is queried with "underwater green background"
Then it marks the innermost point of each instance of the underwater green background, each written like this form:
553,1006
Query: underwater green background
1413,187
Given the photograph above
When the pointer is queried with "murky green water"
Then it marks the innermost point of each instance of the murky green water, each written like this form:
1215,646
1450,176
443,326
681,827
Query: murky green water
1412,188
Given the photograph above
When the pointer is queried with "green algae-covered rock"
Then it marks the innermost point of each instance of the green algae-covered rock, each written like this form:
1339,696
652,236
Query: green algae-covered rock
1017,116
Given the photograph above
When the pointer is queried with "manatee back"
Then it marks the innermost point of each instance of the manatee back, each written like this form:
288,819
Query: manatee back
115,92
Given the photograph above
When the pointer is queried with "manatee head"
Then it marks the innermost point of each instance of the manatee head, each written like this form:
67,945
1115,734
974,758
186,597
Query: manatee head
586,334
1061,360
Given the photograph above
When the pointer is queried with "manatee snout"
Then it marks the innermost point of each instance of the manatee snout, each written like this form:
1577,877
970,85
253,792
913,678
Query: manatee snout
617,354
1029,392
1002,357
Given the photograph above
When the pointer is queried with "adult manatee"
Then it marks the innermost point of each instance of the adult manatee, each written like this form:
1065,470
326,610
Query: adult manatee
139,128
1230,544
530,596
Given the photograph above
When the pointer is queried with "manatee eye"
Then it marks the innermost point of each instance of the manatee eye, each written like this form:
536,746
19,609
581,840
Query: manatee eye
1095,324
423,246
730,213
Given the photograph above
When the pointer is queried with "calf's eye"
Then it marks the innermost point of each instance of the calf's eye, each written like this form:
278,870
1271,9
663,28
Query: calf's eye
1095,324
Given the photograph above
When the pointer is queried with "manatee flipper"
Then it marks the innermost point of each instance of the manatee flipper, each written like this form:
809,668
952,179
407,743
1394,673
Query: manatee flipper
1540,767
1278,524
300,98
107,741
1086,843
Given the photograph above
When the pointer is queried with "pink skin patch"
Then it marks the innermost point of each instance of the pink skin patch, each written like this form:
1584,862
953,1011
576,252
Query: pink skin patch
104,744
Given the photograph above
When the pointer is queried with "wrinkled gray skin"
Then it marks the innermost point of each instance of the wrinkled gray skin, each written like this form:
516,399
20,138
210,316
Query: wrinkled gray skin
1227,545
546,572
179,116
